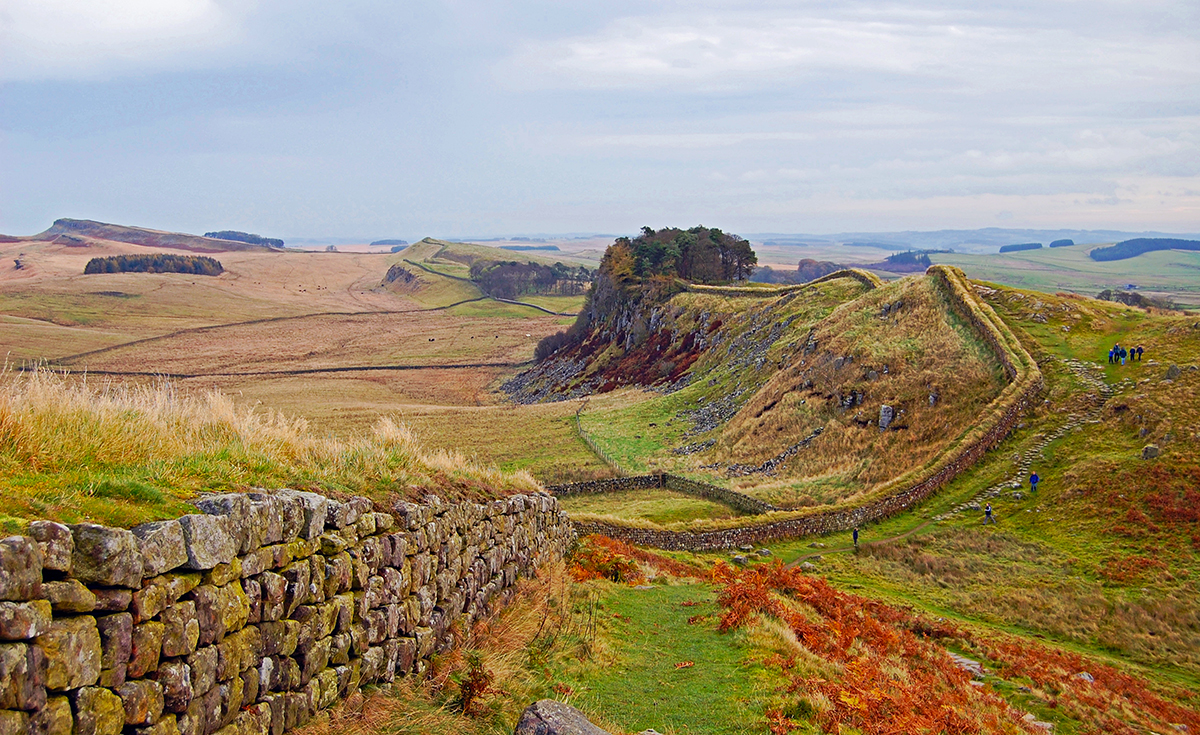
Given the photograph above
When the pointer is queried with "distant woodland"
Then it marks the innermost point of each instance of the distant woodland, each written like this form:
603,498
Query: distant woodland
246,237
510,279
197,265
807,270
1019,247
1135,247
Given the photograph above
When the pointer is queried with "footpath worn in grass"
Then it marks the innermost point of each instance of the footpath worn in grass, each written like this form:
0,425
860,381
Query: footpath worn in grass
643,634
72,451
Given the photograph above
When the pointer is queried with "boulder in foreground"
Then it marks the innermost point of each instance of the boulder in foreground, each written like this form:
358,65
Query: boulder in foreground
548,717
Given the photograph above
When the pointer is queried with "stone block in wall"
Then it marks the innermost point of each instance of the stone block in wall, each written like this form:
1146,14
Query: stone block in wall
257,561
314,507
249,685
181,629
253,592
55,542
316,576
69,596
112,599
327,685
220,610
116,645
279,637
20,568
231,693
298,575
223,574
340,646
142,700
208,541
425,641
73,652
55,718
339,574
268,513
14,722
238,652
202,664
97,711
204,713
23,620
277,704
274,595
105,556
22,677
167,725
162,545
145,648
313,660
175,677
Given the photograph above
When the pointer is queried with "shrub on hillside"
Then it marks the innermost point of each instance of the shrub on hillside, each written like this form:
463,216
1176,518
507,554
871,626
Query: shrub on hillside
197,265
1137,246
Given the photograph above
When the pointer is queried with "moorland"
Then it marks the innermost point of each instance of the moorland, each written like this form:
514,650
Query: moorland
1075,612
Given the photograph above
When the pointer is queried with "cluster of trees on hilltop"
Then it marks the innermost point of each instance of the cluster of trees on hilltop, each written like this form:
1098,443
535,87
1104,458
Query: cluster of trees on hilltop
510,279
1137,246
246,237
699,255
197,265
1020,246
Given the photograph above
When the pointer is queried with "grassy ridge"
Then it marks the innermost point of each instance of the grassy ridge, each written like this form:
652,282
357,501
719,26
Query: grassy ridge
71,451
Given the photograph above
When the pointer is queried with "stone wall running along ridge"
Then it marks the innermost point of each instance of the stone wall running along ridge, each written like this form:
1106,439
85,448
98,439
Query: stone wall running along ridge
247,618
1023,392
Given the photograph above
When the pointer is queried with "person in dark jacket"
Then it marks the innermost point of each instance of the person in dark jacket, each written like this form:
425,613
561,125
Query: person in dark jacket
856,538
987,514
1140,350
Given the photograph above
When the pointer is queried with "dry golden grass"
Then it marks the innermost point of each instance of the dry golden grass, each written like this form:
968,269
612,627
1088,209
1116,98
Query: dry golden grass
918,351
119,453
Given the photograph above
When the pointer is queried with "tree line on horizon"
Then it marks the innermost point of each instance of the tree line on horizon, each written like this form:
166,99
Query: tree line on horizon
246,237
197,265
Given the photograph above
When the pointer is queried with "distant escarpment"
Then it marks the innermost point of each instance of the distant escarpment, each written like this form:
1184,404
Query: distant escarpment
625,334
70,231
399,278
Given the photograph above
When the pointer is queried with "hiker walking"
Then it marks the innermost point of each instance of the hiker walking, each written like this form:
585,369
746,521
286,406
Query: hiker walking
1139,351
987,515
1124,352
1033,481
1111,350
856,538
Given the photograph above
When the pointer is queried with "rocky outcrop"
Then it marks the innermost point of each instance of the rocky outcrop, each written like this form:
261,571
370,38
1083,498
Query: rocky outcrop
249,616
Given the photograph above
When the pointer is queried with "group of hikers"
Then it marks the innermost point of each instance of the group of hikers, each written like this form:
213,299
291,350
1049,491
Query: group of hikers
988,516
1118,354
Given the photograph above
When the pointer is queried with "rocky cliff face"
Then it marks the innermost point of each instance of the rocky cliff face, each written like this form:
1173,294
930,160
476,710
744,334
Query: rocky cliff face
251,615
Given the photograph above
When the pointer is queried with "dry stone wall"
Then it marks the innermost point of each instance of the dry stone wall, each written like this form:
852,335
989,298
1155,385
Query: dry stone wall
250,616
738,501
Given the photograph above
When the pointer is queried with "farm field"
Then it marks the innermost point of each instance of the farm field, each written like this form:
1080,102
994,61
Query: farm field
1171,273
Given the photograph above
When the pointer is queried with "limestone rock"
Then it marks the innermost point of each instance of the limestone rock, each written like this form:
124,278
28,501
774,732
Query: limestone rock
116,639
1150,451
22,620
73,652
69,595
162,545
182,629
56,544
112,599
168,726
886,415
146,648
234,509
22,677
106,556
143,701
20,568
176,680
98,711
208,541
1174,372
53,719
548,717
315,508
13,722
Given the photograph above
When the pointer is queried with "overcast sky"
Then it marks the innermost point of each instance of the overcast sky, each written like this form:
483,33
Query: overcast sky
299,118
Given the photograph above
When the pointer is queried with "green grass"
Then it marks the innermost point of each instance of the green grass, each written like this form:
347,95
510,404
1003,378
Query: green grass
642,635
1176,273
662,507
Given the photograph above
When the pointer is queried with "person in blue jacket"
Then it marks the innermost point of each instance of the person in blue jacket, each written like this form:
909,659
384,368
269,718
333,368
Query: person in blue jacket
1033,481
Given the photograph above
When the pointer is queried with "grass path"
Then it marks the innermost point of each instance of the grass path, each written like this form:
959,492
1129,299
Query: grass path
842,549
